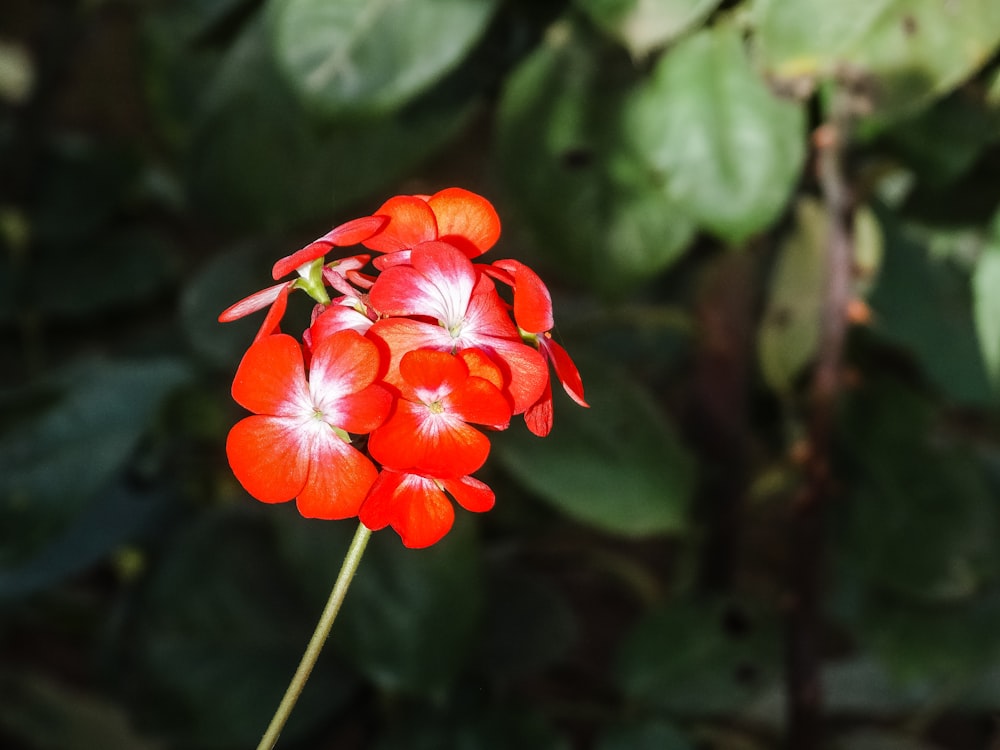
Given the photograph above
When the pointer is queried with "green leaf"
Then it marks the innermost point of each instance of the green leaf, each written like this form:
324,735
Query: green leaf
530,625
921,520
986,290
225,279
861,686
923,303
725,149
44,715
645,25
411,617
877,739
969,201
53,464
17,73
259,162
992,93
497,728
595,209
947,643
644,735
355,57
115,518
618,466
904,52
943,142
789,334
127,267
220,633
180,51
191,20
699,660
81,186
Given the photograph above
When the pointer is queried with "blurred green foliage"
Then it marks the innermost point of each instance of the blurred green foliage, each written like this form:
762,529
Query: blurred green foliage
656,160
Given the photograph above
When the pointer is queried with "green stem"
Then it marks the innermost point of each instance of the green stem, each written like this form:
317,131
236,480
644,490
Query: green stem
319,636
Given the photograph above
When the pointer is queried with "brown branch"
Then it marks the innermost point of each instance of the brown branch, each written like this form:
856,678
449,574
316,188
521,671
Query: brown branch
717,411
804,644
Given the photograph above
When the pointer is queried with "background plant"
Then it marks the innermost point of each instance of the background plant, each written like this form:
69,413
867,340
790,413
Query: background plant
761,498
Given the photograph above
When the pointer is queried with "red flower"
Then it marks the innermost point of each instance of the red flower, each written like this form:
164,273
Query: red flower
428,430
296,444
416,506
413,356
440,284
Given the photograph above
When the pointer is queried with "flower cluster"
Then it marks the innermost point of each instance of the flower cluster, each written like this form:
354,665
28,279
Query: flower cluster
379,410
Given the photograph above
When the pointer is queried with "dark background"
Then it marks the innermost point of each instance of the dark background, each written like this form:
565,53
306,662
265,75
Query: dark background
770,231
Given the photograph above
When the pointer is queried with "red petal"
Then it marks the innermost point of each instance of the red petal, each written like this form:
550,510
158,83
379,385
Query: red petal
415,507
360,413
339,477
470,493
349,233
399,258
525,370
566,370
344,362
495,272
438,284
339,318
267,457
396,444
539,417
532,302
397,336
414,438
453,450
487,314
271,378
432,375
480,402
466,220
356,231
411,221
341,273
275,313
481,366
425,517
377,510
253,303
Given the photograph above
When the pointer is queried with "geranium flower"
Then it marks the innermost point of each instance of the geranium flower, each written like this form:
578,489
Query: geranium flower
296,445
421,355
428,431
416,507
459,217
533,315
441,284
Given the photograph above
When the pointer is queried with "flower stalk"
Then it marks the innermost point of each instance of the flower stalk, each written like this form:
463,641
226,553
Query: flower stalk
319,636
